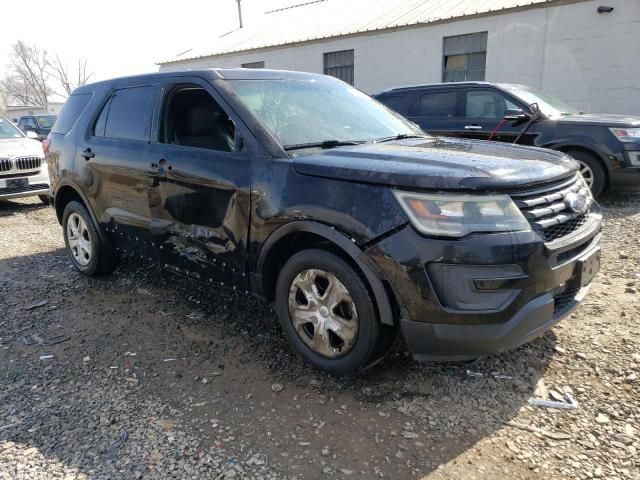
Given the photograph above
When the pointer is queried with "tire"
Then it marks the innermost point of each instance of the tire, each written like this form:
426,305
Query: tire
45,199
360,345
89,254
592,169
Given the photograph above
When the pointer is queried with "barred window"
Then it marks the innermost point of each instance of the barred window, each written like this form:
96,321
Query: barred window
339,65
253,65
465,57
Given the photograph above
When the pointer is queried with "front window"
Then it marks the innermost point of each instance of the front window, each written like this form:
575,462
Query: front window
314,111
46,121
550,106
7,130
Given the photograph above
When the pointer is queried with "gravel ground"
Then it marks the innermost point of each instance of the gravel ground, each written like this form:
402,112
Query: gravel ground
146,375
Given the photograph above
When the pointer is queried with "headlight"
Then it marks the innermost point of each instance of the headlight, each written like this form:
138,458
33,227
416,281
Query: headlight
457,215
626,134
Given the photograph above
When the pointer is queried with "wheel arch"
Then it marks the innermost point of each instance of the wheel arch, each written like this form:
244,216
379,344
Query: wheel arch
296,236
572,146
68,193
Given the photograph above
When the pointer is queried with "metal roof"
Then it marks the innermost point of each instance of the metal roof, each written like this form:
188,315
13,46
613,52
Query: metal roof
320,19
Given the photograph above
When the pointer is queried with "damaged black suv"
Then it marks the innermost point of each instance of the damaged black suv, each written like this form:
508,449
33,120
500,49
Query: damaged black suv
303,191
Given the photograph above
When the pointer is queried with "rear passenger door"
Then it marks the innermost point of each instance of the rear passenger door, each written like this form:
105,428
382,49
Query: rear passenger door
111,159
437,112
484,111
200,178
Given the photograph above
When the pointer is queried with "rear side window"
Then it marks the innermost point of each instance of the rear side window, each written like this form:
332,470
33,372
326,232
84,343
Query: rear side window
127,114
435,104
394,102
73,108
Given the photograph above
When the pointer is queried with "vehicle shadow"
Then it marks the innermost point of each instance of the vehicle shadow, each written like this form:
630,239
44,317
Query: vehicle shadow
18,206
210,353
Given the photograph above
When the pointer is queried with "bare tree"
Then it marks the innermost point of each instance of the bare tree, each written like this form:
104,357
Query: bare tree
28,81
61,72
32,75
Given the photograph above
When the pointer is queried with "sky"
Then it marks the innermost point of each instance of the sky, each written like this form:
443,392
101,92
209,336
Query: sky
121,37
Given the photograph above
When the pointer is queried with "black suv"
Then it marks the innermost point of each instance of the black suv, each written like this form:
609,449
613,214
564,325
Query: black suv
301,190
607,146
39,124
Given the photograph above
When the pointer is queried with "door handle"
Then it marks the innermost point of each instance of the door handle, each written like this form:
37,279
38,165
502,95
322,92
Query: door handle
87,154
472,127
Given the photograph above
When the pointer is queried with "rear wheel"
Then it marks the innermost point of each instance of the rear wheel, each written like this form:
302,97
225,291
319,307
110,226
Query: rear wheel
326,311
592,171
89,253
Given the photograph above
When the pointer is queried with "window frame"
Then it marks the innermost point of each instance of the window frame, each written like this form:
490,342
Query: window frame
106,102
241,131
515,100
467,54
352,66
459,93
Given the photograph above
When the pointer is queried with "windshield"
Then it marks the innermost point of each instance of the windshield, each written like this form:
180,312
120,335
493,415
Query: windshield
7,130
549,105
46,121
302,112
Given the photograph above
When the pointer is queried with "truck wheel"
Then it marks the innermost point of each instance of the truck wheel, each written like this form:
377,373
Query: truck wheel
326,311
592,171
89,254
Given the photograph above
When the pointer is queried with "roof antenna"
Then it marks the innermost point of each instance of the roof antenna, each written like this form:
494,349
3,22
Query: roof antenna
239,13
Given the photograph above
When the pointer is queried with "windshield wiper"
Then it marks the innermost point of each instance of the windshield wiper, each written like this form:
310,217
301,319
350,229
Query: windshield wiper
401,136
323,144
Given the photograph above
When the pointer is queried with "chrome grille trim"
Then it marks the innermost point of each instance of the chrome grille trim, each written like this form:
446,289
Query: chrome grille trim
547,212
28,163
5,164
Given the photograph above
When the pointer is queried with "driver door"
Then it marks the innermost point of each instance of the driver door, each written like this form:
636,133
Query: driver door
199,185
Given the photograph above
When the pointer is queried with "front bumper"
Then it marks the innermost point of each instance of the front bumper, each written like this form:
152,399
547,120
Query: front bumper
625,172
540,284
25,184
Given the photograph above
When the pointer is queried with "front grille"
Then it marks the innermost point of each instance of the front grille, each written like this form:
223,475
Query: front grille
28,163
5,164
564,299
569,254
547,211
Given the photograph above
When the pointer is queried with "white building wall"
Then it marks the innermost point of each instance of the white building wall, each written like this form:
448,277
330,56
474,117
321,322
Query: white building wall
587,59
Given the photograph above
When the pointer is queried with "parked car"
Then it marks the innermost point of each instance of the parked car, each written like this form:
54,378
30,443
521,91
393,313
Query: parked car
303,191
39,124
606,146
23,171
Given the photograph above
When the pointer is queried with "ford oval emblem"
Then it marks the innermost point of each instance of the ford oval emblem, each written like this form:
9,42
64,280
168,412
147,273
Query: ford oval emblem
577,202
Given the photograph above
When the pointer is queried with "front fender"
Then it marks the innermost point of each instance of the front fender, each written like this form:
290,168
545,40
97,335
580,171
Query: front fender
341,240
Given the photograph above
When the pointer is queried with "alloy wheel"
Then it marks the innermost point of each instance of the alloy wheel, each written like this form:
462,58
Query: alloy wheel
323,313
79,239
587,173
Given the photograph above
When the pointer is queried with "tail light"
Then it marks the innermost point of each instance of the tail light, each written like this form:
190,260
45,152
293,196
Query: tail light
45,145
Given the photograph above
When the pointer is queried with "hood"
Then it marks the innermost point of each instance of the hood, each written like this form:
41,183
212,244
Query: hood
601,119
439,163
20,147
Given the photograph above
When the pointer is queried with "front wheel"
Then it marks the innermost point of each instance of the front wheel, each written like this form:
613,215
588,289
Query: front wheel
592,171
90,254
327,313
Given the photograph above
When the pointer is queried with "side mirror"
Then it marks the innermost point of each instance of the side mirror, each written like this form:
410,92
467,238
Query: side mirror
516,115
28,128
32,134
535,108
